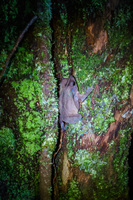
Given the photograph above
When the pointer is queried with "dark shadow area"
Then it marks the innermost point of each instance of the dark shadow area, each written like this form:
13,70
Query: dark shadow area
130,173
57,76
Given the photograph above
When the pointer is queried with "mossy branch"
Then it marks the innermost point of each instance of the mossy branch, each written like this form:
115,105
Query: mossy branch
15,47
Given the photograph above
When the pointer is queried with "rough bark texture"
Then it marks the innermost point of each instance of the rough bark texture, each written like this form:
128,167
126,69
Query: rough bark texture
46,156
88,163
81,167
45,175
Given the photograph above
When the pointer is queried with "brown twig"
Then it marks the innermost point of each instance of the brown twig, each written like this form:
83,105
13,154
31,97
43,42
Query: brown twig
15,47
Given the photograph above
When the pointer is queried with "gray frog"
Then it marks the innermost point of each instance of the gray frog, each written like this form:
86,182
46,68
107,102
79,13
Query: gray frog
69,101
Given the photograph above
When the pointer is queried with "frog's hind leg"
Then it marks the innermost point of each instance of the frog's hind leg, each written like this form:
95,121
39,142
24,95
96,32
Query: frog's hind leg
73,119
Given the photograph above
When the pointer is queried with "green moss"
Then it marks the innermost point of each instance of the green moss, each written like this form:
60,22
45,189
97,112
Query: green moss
65,68
15,169
32,119
120,162
46,15
91,162
113,184
118,31
7,139
90,69
3,56
36,119
73,193
34,114
109,180
113,74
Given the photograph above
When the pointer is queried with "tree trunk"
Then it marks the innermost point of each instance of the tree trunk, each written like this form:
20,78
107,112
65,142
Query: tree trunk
42,50
93,160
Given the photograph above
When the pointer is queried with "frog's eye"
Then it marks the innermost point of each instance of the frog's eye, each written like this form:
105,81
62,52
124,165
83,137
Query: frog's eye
73,83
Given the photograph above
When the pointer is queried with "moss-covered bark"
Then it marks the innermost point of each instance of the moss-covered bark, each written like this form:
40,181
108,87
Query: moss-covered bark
93,41
50,107
92,163
29,116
